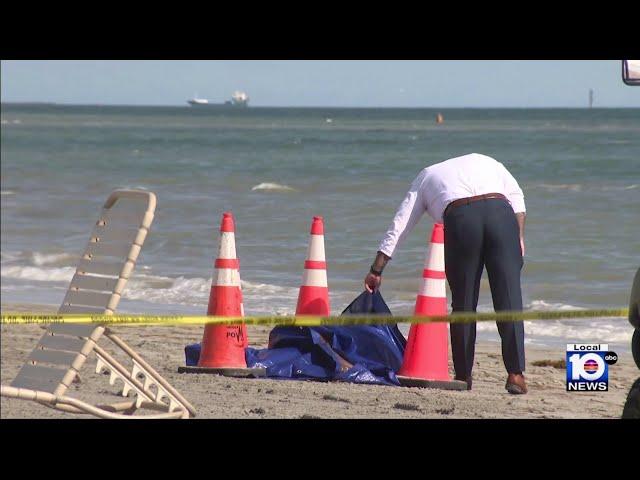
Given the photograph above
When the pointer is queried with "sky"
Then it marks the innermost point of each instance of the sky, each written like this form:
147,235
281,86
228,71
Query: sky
330,83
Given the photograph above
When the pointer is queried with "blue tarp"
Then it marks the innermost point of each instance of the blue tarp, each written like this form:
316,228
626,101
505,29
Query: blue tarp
358,354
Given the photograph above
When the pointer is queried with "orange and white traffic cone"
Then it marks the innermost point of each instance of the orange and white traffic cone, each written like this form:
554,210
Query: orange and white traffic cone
313,297
425,362
223,346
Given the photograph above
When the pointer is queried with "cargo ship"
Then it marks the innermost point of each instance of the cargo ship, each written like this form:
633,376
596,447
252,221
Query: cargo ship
238,100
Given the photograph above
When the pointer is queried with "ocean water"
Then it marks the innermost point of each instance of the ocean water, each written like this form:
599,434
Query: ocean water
277,168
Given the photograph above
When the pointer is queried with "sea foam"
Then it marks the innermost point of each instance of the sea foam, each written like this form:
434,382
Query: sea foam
40,259
63,274
273,187
195,292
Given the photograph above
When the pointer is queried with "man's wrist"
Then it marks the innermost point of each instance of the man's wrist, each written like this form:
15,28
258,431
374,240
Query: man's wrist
379,263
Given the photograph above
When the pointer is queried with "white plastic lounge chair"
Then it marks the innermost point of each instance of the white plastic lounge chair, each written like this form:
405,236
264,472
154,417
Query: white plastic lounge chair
96,287
110,256
70,345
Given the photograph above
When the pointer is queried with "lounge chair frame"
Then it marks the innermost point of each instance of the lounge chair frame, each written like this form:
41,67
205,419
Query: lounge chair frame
96,288
47,385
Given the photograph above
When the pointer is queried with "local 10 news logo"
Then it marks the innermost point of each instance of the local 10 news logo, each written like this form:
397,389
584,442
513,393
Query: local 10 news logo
588,367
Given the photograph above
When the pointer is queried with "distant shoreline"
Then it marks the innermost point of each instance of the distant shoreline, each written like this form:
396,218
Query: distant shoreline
308,107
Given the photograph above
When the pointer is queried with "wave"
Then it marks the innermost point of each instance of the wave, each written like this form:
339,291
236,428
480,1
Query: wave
8,256
7,192
599,331
41,273
144,188
535,305
616,331
264,287
541,305
602,330
142,285
544,332
270,299
165,290
577,187
62,274
40,259
572,187
628,187
258,298
273,187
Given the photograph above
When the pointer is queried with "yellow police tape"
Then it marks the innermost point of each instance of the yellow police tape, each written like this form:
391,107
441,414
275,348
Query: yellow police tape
302,320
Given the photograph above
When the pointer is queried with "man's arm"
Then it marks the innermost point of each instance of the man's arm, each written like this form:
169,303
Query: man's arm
407,216
516,199
409,213
521,217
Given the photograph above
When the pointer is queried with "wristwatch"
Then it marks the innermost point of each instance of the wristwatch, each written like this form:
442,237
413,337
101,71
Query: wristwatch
375,272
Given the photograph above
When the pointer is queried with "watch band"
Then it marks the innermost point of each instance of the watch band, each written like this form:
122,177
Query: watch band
374,271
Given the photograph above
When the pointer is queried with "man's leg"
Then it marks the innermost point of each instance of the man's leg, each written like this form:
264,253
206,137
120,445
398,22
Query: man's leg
503,259
463,236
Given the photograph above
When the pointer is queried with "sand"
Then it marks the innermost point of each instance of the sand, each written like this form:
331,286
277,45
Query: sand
221,397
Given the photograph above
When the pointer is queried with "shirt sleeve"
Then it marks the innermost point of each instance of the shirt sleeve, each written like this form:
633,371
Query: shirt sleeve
512,191
408,215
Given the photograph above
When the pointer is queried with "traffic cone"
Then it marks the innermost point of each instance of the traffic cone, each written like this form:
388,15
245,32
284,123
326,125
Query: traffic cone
223,346
425,362
313,298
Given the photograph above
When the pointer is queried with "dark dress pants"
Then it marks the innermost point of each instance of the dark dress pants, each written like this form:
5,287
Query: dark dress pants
484,233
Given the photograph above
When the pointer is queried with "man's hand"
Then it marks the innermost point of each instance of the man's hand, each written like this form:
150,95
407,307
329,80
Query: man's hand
522,245
372,282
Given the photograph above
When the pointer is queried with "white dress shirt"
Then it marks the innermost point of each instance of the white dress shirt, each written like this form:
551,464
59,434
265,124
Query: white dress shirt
438,185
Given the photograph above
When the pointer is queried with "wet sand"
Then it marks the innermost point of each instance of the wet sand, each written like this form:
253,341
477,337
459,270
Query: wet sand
221,397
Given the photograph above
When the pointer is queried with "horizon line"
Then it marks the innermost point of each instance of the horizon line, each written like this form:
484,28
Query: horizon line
186,106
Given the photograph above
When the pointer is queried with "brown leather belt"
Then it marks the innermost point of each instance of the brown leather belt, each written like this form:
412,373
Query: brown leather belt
468,200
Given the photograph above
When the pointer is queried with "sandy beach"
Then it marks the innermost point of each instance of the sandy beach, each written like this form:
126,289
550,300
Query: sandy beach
220,397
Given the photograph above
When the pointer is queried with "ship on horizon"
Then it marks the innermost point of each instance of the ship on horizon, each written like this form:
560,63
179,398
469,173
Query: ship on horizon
238,100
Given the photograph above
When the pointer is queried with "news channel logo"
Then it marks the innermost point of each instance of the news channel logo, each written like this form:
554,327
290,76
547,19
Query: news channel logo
588,367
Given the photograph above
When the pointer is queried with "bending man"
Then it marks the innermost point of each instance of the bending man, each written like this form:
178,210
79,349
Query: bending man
483,211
